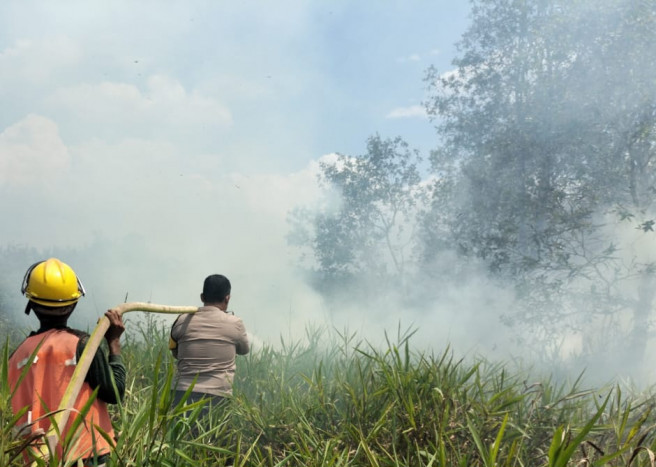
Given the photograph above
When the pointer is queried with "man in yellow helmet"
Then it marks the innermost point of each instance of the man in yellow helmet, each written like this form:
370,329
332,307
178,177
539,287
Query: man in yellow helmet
41,367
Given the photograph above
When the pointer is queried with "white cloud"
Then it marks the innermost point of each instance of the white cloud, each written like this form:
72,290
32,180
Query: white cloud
164,109
36,60
413,111
31,149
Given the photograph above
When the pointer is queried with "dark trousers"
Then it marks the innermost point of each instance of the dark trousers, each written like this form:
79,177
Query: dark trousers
212,402
99,461
211,413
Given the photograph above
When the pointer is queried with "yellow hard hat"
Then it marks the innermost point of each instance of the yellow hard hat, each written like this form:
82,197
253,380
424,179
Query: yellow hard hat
52,283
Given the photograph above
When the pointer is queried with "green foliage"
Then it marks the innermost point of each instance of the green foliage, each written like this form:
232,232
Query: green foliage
549,119
369,231
547,127
547,138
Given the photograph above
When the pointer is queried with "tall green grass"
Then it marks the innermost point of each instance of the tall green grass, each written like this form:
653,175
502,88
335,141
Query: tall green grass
340,401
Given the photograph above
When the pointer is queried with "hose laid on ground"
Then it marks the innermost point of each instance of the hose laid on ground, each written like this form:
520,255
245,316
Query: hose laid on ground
82,367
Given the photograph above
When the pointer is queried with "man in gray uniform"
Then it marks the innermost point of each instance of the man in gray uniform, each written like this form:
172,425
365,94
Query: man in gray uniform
206,343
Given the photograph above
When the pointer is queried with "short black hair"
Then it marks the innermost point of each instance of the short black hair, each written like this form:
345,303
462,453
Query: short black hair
216,288
44,311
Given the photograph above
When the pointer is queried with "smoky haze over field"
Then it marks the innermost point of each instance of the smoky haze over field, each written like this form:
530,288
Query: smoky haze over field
149,146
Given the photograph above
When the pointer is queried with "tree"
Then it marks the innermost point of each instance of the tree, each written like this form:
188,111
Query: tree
366,238
548,124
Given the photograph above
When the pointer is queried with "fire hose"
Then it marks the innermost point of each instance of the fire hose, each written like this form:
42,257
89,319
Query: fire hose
77,380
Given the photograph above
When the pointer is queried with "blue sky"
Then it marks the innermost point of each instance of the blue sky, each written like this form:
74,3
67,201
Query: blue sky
194,127
295,80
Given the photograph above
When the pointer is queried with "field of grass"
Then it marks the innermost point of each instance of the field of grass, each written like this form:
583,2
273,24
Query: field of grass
330,399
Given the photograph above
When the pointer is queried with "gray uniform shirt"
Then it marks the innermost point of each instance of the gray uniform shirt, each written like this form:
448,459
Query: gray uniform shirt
207,343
